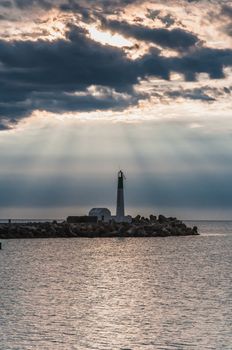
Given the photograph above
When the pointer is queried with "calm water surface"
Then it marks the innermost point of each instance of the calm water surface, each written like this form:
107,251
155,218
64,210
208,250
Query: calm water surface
100,294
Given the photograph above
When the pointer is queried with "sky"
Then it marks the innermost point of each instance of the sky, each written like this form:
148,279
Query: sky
91,87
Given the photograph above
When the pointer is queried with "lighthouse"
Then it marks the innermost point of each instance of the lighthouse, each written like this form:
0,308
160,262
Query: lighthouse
104,214
120,213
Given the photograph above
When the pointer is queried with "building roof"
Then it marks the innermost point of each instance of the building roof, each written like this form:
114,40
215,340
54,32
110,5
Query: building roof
100,211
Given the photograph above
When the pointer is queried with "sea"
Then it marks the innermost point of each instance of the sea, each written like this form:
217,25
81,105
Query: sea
171,293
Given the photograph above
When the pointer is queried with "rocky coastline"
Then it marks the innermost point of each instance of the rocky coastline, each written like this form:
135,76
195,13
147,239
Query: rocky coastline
153,226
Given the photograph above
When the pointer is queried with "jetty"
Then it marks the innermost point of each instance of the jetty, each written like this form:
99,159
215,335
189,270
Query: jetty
100,223
139,226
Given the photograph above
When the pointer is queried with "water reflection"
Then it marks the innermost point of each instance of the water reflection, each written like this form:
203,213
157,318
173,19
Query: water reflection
162,293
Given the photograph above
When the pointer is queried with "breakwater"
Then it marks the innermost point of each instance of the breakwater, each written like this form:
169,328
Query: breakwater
139,227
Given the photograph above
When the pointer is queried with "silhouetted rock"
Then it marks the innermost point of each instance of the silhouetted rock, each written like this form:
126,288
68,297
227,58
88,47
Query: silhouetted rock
136,219
153,218
195,229
162,219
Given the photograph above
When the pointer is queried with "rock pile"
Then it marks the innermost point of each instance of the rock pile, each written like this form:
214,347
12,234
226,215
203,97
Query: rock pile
139,227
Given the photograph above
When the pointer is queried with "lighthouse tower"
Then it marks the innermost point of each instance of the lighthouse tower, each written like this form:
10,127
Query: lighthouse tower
120,214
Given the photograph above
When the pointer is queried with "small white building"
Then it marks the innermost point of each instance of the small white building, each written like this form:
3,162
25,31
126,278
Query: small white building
103,214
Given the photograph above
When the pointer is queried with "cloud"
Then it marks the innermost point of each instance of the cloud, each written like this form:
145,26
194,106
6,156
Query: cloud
86,8
4,125
25,4
176,39
202,60
167,19
3,18
194,94
60,102
44,75
228,29
226,11
226,18
49,75
6,3
74,7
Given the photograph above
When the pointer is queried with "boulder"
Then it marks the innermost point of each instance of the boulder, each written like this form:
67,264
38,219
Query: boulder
153,218
195,230
162,219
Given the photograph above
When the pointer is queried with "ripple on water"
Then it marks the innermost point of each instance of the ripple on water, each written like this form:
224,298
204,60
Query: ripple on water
131,294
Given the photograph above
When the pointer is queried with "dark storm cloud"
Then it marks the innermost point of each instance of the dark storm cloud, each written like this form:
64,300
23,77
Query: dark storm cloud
86,8
109,7
91,11
97,6
43,75
87,102
202,60
177,39
71,64
63,102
